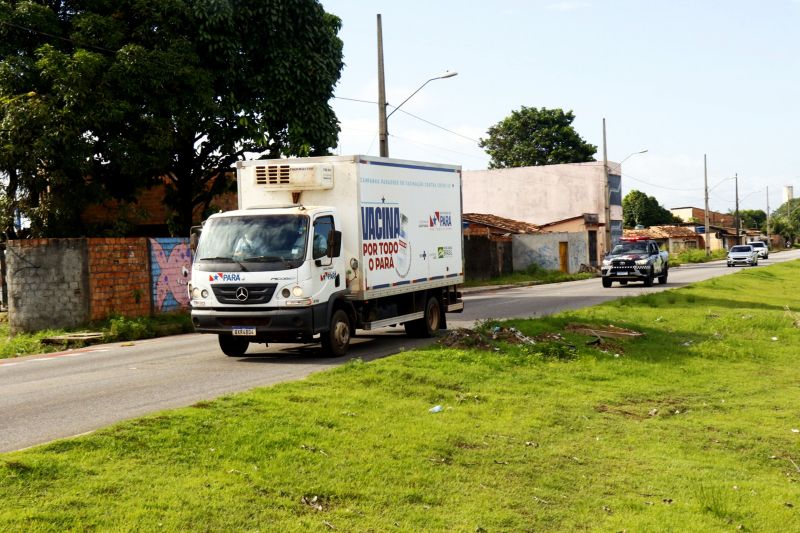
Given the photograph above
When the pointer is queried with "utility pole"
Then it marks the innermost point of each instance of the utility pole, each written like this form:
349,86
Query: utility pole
383,132
768,237
705,181
736,218
607,190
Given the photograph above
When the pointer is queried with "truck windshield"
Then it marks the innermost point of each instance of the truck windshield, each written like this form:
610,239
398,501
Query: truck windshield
255,239
630,248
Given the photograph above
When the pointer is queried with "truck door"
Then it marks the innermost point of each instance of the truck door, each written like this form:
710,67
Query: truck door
324,268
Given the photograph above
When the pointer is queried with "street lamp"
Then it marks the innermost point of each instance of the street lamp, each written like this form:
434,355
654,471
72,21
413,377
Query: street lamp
383,133
630,155
383,129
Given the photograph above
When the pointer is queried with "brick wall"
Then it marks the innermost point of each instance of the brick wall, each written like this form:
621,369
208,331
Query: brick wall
119,277
47,284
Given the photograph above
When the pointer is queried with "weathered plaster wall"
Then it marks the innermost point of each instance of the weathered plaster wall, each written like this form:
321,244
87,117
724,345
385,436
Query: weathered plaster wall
543,250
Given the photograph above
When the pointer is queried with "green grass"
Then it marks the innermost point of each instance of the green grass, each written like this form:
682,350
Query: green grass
115,329
534,274
687,428
695,256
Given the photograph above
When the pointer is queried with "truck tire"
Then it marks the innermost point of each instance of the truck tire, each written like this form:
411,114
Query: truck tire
648,281
233,346
336,340
429,324
607,282
662,279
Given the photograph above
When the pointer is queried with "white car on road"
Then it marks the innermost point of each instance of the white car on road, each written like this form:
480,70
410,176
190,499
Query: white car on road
742,254
761,248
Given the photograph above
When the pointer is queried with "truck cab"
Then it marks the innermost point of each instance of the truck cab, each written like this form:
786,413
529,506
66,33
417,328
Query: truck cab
266,275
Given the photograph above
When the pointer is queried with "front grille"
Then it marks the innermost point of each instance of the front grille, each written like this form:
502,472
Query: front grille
256,294
623,262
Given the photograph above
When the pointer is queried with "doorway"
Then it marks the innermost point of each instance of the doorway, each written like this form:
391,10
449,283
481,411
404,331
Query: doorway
563,256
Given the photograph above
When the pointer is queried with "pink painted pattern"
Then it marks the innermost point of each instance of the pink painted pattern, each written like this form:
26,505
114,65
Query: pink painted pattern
173,277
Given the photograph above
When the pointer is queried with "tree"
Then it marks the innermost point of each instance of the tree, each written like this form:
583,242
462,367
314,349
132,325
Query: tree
125,93
640,209
752,218
531,137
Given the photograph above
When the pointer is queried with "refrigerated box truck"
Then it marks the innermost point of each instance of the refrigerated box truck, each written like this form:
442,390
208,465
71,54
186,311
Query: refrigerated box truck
322,246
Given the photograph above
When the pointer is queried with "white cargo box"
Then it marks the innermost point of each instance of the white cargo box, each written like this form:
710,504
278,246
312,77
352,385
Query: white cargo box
400,220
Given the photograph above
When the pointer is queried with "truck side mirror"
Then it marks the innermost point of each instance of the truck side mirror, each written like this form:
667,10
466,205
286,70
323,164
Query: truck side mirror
334,244
194,237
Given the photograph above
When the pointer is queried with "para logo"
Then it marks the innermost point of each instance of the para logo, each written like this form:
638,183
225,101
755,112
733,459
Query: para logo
220,276
440,219
331,276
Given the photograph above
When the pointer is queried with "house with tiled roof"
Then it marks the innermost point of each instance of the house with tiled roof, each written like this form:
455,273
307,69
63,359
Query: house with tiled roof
672,238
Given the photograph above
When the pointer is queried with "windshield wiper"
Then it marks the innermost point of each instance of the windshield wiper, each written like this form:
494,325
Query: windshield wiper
265,259
219,259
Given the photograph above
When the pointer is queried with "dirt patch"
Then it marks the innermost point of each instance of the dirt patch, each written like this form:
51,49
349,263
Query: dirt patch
609,331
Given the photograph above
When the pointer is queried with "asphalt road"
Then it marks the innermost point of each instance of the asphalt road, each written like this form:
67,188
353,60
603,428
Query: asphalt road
52,396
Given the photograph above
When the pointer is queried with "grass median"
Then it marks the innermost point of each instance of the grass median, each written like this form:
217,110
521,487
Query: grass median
543,425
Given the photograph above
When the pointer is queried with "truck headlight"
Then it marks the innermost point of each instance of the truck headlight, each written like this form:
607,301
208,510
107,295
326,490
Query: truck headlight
641,262
606,262
198,293
297,292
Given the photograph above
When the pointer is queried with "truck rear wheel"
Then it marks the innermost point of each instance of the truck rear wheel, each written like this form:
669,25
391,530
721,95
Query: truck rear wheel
233,346
429,324
336,340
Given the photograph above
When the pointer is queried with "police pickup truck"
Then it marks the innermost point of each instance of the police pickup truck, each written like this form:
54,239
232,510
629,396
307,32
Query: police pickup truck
635,259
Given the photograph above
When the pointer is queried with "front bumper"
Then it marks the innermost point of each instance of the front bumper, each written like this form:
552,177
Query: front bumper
636,272
740,261
269,323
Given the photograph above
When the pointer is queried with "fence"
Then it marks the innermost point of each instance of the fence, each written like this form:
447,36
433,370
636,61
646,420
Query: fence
62,283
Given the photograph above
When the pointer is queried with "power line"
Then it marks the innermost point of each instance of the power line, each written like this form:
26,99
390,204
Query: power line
411,115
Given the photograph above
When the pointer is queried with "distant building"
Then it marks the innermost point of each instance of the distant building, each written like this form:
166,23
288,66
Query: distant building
697,215
544,194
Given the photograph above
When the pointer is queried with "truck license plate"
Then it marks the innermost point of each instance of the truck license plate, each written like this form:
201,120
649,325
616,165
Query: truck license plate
623,272
247,332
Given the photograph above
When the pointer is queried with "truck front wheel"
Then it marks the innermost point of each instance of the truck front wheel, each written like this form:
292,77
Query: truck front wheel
336,340
607,282
429,324
233,346
648,281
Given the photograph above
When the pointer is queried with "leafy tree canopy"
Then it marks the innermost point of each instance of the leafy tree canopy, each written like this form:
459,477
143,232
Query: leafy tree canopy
752,218
531,137
640,209
100,98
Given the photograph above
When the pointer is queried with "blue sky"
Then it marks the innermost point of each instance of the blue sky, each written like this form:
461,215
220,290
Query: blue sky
678,78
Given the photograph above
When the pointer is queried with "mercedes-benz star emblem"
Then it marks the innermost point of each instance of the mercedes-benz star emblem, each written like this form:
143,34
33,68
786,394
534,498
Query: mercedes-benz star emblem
241,294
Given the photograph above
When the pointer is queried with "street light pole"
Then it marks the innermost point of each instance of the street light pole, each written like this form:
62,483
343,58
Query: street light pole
607,189
705,181
383,118
383,132
738,222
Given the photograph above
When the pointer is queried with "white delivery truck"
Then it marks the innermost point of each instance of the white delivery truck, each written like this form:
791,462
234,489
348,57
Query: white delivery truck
321,246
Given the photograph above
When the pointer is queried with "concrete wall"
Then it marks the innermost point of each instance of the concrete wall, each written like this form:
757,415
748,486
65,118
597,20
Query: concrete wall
48,284
170,266
543,250
539,194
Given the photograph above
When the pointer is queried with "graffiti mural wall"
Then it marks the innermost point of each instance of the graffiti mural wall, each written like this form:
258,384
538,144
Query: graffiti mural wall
171,265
